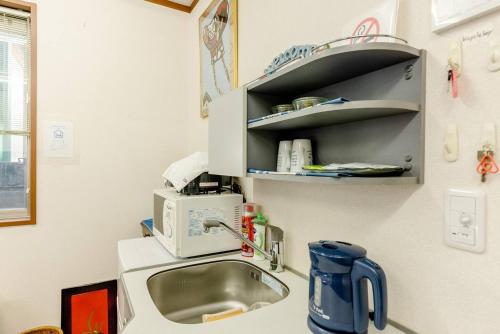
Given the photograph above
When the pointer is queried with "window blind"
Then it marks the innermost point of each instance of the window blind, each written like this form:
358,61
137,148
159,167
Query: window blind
15,47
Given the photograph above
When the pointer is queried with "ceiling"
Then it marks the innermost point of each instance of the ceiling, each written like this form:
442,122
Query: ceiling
182,5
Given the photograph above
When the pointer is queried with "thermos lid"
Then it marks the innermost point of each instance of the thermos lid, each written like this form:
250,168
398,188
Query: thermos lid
337,251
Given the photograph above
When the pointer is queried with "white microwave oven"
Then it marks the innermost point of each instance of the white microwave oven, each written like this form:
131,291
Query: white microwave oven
178,222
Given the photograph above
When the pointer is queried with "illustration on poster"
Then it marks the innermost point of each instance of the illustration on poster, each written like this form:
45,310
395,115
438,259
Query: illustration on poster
379,19
369,26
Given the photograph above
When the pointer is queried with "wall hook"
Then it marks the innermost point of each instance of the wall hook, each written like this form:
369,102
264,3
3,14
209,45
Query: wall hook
494,64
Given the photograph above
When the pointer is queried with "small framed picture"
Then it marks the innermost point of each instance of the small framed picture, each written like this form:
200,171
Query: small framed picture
89,309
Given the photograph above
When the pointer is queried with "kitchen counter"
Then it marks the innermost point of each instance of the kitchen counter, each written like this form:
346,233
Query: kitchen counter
286,316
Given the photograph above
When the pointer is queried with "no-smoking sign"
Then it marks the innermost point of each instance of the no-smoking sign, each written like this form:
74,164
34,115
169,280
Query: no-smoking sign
369,26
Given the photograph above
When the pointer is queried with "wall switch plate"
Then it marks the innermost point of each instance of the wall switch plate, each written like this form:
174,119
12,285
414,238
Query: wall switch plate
465,220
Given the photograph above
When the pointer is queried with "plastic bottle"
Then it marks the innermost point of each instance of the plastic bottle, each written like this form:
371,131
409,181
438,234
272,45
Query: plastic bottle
247,228
259,225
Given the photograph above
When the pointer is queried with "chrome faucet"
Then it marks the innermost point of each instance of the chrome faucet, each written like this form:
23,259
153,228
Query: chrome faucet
276,254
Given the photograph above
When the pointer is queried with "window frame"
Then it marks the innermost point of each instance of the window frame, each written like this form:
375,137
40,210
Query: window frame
32,9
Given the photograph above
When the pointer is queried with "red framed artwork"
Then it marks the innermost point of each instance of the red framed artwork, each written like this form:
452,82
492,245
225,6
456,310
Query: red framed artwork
89,309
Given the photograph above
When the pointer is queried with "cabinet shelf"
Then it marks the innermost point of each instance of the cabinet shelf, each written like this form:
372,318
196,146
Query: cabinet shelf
334,65
384,122
394,180
325,115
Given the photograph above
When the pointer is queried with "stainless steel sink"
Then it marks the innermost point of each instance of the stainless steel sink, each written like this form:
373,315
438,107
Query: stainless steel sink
184,294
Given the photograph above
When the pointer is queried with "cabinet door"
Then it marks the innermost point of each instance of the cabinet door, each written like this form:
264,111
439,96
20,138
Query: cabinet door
124,311
227,134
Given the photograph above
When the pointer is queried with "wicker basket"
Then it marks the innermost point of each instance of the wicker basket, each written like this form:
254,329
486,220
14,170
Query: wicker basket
44,330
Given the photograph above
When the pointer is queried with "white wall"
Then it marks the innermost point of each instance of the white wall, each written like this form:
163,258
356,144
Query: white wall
116,69
432,289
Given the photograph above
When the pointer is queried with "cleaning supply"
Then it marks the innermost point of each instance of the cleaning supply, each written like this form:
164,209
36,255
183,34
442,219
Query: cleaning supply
247,229
259,227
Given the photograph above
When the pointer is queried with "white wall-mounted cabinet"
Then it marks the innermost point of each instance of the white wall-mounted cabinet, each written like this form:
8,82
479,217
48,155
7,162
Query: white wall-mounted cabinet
383,123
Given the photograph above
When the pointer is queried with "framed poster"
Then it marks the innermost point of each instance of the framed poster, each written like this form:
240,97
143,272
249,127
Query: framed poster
89,309
449,13
218,29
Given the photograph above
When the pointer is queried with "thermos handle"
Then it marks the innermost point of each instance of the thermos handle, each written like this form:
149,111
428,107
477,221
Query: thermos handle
365,268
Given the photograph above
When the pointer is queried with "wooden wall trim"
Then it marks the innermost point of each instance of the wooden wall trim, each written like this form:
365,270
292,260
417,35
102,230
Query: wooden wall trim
33,111
18,4
174,5
29,7
17,223
195,2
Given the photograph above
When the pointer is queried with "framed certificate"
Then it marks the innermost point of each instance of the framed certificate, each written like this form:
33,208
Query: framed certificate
449,13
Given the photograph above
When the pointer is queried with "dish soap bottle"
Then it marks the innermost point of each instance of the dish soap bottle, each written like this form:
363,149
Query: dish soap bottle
259,225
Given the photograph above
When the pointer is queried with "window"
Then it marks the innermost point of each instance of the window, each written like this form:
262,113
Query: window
17,113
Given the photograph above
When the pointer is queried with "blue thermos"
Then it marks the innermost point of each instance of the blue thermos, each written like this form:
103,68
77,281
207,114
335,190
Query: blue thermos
338,294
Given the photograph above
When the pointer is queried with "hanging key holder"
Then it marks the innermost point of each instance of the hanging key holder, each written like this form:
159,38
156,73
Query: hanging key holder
452,75
454,69
487,164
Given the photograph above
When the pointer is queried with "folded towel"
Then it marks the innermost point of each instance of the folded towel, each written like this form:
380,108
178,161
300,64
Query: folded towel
356,169
181,172
267,172
339,100
351,166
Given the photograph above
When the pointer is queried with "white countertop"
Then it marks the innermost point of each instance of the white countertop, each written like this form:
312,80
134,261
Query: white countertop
286,316
140,253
